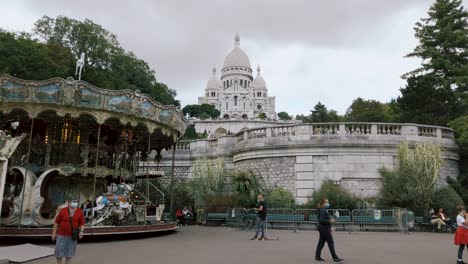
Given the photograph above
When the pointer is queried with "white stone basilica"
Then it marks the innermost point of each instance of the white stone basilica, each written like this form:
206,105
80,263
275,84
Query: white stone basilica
237,94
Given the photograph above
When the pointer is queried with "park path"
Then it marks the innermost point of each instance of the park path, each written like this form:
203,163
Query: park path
213,245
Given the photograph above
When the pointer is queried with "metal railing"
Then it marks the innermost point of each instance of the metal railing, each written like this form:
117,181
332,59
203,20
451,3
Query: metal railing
396,219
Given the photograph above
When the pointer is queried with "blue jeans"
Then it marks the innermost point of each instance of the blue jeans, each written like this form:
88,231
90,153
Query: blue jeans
260,227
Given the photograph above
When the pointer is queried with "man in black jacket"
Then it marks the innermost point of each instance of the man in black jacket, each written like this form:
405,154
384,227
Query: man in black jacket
261,218
324,228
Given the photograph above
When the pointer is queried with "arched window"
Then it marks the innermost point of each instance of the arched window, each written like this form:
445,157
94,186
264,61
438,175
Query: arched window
235,100
226,105
242,82
244,105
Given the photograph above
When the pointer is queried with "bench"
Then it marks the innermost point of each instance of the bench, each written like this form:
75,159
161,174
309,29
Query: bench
217,216
426,222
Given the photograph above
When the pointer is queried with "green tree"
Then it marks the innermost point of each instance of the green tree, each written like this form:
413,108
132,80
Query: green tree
367,111
201,111
338,196
262,116
107,64
25,58
413,182
247,185
319,113
460,184
280,198
448,199
284,116
441,82
209,180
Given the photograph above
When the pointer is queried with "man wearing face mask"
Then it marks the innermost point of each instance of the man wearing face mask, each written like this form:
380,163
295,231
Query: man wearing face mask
261,218
69,218
324,228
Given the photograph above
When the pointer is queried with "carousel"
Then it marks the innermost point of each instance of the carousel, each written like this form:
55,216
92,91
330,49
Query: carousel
66,138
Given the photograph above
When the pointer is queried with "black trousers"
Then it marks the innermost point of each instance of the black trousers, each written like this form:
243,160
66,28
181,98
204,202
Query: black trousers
325,236
461,248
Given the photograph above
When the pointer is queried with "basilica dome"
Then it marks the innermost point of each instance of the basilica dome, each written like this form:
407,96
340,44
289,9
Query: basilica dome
237,57
259,82
214,82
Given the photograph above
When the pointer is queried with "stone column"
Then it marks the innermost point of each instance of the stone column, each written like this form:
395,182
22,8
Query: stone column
342,129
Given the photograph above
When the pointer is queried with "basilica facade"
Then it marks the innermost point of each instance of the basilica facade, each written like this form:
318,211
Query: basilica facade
236,93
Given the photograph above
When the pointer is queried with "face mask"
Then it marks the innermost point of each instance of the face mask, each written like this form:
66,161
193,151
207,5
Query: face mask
73,205
327,205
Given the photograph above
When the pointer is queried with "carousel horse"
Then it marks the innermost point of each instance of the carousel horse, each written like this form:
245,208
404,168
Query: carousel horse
115,203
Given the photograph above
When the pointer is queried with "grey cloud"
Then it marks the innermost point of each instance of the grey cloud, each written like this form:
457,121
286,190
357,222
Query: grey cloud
183,39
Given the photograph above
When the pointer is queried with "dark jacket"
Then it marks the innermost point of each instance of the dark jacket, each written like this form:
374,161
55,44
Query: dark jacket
323,216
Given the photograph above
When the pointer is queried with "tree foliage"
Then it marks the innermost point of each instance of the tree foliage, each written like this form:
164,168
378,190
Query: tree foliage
262,115
209,179
413,182
58,43
448,199
460,184
339,197
23,57
203,111
370,111
437,91
321,114
247,185
284,116
281,198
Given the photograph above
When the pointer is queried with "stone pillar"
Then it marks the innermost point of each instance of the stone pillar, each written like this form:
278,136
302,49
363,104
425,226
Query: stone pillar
439,132
373,129
409,130
246,135
342,129
268,132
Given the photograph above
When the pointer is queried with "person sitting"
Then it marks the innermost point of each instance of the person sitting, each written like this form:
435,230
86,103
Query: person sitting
187,215
440,219
87,208
180,217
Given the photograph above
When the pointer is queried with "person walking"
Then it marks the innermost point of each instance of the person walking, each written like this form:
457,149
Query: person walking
261,218
461,236
324,228
68,228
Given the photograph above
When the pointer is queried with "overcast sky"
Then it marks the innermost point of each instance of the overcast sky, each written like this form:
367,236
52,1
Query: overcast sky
331,51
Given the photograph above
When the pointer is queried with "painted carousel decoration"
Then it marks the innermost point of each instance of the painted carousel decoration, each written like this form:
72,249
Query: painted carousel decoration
67,138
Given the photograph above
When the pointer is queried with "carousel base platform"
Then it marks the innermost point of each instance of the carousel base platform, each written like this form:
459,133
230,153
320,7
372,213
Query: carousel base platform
91,232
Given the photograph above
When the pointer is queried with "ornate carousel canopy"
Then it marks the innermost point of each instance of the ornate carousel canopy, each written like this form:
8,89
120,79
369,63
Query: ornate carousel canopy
75,98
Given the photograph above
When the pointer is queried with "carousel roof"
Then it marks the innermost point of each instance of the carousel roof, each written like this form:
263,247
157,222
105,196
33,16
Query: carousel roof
74,98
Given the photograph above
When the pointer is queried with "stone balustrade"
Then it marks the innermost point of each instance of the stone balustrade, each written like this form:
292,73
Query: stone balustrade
340,130
346,130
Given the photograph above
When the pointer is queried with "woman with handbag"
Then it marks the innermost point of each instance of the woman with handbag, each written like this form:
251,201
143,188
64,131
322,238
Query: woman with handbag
68,228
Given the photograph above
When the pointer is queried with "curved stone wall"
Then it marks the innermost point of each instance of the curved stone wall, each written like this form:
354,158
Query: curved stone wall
300,157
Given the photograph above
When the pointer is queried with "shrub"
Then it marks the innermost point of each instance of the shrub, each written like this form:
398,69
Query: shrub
280,198
413,183
246,186
447,198
339,197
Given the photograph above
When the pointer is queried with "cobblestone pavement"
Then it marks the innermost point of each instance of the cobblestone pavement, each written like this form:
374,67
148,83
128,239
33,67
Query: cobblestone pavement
213,245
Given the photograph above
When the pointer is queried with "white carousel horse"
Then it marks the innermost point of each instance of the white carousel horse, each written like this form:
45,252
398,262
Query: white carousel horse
80,65
113,204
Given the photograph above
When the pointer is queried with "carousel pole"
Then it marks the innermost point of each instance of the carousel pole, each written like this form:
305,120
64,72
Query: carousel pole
95,169
171,204
147,168
23,190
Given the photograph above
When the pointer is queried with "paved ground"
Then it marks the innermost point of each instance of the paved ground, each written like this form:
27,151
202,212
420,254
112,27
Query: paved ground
212,245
